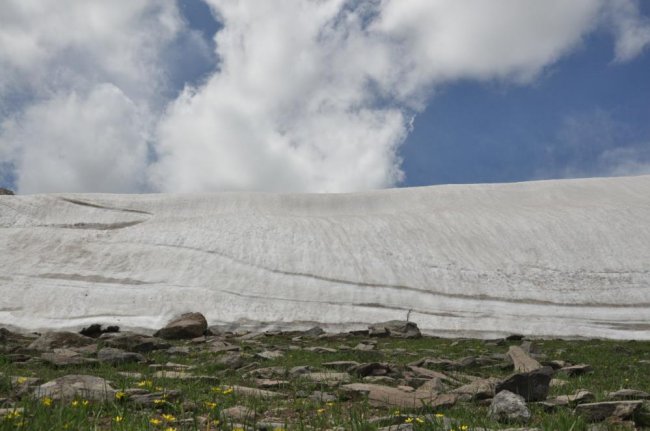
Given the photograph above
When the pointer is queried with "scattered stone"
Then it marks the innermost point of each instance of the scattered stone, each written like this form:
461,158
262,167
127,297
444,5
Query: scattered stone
185,326
533,386
576,370
370,369
59,340
364,347
270,384
231,360
95,330
430,374
219,346
238,413
269,354
135,342
322,397
300,370
65,357
522,362
509,407
382,380
179,350
313,332
130,375
628,394
398,427
153,399
434,385
327,378
395,328
6,192
76,386
254,392
557,383
477,390
597,412
320,349
379,395
114,356
579,397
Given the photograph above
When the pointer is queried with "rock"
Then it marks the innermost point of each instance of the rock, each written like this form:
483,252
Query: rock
533,385
231,360
313,332
370,369
65,357
322,397
628,394
379,395
522,362
237,413
326,378
114,356
95,330
477,390
219,346
6,192
135,342
435,385
185,326
576,370
430,374
299,370
509,407
269,354
398,427
76,386
580,396
254,392
364,347
395,328
59,340
150,400
320,349
596,412
271,384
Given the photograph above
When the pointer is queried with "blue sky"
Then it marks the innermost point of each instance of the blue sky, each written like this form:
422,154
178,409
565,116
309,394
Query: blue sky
183,113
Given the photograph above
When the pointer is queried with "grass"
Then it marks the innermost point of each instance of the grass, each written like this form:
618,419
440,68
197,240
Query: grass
615,365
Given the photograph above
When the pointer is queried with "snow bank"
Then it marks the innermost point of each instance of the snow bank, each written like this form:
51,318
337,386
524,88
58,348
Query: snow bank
550,258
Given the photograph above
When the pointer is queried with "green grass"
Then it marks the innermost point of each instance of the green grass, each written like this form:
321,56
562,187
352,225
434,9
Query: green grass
615,364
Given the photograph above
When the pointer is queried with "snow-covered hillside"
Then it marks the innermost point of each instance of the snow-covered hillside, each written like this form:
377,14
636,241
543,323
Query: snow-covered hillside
550,258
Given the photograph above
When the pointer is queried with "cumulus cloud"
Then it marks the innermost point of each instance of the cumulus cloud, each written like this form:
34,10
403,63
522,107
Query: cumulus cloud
305,95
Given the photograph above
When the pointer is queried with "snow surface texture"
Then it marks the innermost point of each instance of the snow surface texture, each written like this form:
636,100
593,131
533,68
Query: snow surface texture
550,258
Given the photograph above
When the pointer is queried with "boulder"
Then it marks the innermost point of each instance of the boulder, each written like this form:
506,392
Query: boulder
135,342
6,192
95,330
185,326
509,407
65,357
76,386
395,328
628,394
477,390
533,385
59,340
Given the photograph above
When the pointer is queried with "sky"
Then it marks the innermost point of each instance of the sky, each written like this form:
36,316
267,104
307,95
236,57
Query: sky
139,96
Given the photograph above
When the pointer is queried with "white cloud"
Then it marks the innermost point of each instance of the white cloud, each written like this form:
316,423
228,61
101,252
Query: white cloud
80,142
309,95
632,30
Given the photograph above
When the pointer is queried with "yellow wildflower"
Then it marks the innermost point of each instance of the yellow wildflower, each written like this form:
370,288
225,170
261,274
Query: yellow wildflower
228,391
159,401
21,380
47,401
85,403
216,389
13,415
168,417
170,429
320,411
464,428
74,403
408,420
119,395
154,421
118,418
440,415
419,420
145,383
210,404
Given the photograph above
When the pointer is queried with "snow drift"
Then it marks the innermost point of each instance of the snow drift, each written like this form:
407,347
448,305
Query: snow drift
550,258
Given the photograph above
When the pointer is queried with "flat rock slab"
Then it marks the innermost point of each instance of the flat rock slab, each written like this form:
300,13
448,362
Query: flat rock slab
477,390
254,392
57,340
628,394
115,356
328,378
379,395
76,386
596,412
66,357
579,397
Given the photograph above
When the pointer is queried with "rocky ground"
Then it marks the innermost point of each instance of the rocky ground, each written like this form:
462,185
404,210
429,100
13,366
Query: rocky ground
188,376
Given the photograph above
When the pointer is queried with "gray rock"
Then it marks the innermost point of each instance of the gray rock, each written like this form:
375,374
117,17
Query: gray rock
596,412
313,332
6,192
135,342
322,397
76,386
340,365
269,354
580,396
477,390
522,361
65,357
628,394
576,370
386,396
114,356
533,386
149,400
231,360
59,340
237,413
395,328
509,407
185,326
370,369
